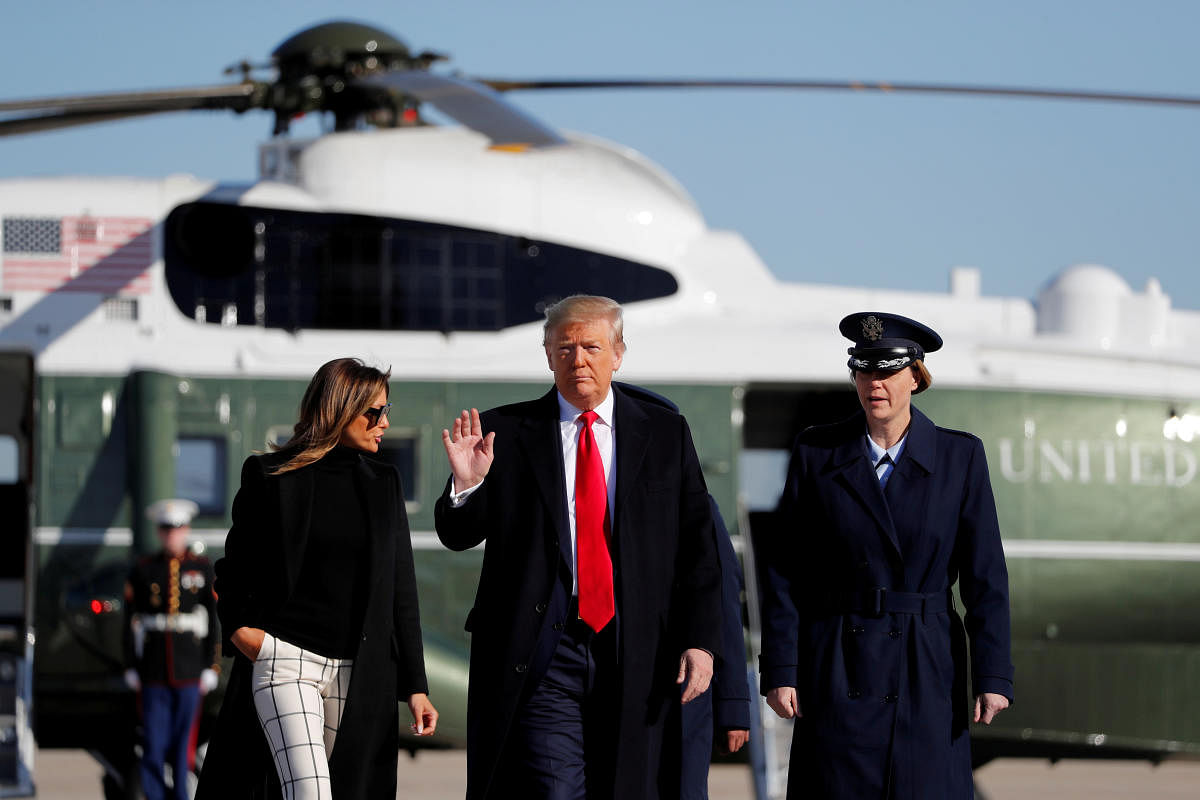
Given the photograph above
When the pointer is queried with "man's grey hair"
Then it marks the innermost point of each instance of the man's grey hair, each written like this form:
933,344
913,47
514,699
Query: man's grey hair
585,308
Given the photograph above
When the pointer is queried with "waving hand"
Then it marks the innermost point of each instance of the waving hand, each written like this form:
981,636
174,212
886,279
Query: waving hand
469,451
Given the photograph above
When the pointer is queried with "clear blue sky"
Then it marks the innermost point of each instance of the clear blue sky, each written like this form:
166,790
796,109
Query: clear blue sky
867,190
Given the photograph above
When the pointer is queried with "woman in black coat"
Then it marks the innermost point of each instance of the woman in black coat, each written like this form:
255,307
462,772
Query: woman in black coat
317,598
862,645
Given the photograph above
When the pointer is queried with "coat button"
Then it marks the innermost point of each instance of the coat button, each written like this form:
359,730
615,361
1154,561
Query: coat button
854,694
540,608
891,698
894,634
520,668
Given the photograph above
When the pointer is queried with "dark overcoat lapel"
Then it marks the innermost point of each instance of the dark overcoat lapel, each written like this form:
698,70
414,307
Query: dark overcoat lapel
538,436
633,435
909,497
850,467
632,427
295,512
378,500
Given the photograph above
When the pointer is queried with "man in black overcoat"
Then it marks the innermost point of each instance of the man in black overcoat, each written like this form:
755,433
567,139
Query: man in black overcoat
572,696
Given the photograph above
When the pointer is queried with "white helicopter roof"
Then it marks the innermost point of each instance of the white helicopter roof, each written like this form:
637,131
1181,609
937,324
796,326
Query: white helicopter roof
590,194
731,320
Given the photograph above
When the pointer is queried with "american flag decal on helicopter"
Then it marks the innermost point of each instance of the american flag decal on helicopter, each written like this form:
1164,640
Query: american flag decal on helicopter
103,255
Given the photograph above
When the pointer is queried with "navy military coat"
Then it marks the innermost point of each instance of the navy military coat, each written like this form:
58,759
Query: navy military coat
857,615
666,575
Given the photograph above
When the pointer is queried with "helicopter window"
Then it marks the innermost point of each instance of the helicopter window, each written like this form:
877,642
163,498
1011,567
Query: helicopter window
295,269
120,309
200,472
400,450
9,459
80,419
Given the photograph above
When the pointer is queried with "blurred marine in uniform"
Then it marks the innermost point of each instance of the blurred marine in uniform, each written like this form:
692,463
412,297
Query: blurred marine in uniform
170,646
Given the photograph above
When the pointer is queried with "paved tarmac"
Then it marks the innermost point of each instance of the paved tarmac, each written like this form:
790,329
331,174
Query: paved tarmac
439,775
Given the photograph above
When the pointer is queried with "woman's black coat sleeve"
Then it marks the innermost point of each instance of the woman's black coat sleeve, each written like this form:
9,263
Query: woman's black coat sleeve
410,674
238,584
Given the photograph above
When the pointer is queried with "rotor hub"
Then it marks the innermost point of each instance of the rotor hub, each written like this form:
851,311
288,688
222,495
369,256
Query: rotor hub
345,49
319,65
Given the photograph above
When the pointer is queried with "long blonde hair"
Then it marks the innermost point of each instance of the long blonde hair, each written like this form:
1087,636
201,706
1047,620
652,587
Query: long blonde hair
341,390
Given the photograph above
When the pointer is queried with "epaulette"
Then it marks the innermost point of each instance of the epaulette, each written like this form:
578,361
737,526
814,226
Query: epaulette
962,434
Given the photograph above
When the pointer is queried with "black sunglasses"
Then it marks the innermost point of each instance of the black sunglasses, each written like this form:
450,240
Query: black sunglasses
376,416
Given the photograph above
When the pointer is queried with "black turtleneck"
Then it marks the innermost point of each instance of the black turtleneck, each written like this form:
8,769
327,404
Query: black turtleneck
327,607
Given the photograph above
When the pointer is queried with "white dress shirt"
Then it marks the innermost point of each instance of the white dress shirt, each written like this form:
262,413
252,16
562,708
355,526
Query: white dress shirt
604,429
569,427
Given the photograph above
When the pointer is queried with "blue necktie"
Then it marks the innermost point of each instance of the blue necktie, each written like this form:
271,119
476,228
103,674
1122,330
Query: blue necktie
882,471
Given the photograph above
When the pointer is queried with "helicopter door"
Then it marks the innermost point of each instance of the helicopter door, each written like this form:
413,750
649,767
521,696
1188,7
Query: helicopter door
774,415
16,574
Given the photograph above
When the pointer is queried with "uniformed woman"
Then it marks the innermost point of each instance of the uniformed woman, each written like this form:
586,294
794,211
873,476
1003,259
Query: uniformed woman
318,600
880,515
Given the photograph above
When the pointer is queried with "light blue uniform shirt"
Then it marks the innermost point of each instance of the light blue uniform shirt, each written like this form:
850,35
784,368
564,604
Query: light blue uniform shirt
884,461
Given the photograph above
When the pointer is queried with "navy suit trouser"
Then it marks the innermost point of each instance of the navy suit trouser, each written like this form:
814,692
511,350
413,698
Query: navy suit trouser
168,713
564,737
697,724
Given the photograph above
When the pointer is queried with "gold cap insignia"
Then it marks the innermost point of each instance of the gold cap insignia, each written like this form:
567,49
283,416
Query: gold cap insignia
872,328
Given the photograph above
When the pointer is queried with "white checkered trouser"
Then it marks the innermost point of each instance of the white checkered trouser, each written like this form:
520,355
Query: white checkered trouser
299,696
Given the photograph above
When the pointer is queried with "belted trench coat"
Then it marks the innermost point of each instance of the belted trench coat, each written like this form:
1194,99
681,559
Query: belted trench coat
859,618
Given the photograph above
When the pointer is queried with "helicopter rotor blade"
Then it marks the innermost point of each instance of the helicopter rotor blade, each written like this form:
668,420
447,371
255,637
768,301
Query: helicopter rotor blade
474,105
157,100
502,85
67,112
70,119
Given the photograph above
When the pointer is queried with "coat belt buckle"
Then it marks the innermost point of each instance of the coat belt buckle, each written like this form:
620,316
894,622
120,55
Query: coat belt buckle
878,601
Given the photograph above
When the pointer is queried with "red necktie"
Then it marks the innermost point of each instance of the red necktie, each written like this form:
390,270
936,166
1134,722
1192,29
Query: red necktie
593,563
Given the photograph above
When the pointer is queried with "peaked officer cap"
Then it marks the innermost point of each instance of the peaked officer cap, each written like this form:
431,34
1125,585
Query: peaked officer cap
886,341
172,513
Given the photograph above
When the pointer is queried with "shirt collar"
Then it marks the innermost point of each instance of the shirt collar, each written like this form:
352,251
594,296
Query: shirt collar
876,452
569,413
